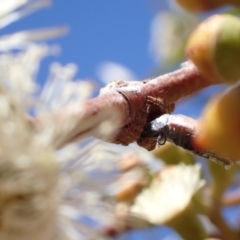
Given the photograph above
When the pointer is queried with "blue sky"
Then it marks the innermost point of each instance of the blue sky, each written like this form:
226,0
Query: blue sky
106,30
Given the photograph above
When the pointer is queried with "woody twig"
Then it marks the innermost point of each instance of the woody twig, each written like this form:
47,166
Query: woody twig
124,110
179,130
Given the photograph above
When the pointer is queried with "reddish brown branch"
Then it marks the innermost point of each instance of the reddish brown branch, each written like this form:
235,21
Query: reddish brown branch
180,130
176,85
84,119
128,107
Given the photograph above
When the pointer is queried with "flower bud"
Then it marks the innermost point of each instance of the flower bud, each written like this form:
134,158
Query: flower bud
204,5
221,125
214,47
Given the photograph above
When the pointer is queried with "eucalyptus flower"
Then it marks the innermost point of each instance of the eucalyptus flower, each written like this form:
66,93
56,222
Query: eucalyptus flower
47,194
167,201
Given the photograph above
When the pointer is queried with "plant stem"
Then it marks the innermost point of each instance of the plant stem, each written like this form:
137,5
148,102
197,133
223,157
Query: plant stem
226,232
188,225
123,107
179,130
181,83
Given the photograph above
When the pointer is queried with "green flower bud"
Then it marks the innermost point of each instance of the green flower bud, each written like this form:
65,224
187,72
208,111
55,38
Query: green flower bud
214,47
221,125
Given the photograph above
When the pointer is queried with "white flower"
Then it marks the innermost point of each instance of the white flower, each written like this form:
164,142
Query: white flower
169,194
46,195
169,32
